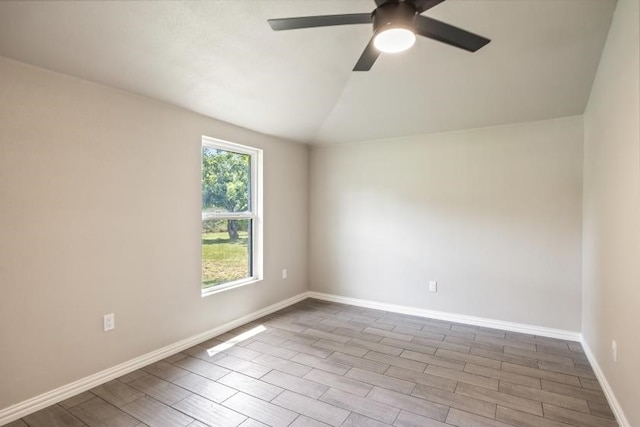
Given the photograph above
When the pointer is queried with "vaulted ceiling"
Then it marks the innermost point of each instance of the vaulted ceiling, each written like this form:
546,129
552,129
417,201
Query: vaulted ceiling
221,59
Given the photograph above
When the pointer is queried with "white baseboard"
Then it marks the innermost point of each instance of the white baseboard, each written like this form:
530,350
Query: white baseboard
34,404
452,317
606,388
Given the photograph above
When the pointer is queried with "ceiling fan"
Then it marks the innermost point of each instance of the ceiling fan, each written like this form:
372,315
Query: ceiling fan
395,25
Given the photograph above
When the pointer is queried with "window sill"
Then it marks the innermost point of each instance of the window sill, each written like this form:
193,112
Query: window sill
231,285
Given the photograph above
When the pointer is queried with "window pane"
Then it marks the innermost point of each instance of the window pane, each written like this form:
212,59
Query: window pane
225,181
226,251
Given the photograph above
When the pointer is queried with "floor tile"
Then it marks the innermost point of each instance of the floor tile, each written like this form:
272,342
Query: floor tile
442,344
303,421
295,366
273,350
573,391
576,418
96,412
53,416
500,398
381,380
159,389
289,337
117,393
499,374
342,348
409,403
174,357
205,387
522,419
338,382
258,409
279,324
578,371
127,378
16,423
156,414
400,362
426,349
307,348
203,368
358,334
377,347
320,363
357,420
507,343
327,335
544,396
358,362
311,408
271,339
293,383
542,374
208,354
473,344
421,378
251,386
466,376
243,366
532,354
443,330
419,333
77,399
345,324
590,384
242,353
209,412
251,423
576,348
360,405
601,409
433,360
408,419
455,400
165,371
388,334
520,360
460,418
468,358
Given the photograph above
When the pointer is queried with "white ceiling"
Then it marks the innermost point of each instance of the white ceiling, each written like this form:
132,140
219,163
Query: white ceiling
221,59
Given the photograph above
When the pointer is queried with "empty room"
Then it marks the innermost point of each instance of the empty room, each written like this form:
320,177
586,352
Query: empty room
320,213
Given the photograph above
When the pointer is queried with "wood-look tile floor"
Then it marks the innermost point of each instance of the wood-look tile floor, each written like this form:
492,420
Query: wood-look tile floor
324,364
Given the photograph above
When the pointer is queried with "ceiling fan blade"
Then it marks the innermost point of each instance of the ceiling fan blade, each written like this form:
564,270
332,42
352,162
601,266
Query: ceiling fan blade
422,5
367,58
280,24
383,2
449,34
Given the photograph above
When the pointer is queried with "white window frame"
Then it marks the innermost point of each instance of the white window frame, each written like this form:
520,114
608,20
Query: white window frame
255,214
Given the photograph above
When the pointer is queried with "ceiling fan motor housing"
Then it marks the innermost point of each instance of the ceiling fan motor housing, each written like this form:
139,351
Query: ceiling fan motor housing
396,23
394,15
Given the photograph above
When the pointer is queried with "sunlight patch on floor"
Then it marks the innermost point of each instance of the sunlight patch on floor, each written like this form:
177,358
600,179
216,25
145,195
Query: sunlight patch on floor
235,340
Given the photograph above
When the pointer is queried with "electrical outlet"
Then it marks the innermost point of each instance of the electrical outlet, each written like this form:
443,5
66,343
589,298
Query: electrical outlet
284,273
433,286
614,350
109,322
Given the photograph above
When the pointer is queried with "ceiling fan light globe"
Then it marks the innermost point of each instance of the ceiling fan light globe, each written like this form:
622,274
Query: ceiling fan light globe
394,40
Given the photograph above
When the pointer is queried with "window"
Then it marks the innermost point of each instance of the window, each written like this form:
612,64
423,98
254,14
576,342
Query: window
231,215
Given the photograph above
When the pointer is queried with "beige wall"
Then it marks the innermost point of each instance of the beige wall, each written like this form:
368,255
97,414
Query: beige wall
494,215
611,296
100,213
